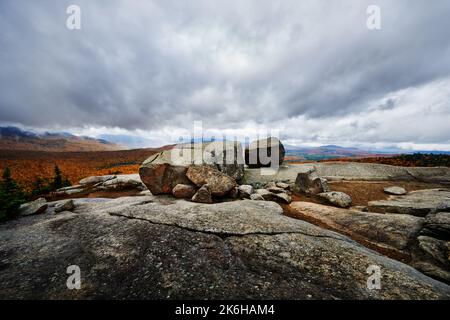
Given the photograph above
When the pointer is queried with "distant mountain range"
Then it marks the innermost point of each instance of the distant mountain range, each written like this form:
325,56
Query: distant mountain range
296,153
13,138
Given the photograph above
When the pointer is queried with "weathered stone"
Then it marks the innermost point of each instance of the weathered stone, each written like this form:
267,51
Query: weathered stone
350,171
163,171
34,207
282,198
162,178
336,198
392,232
160,248
310,183
282,185
227,156
256,197
219,183
124,182
265,153
276,190
270,196
78,186
418,203
203,195
96,179
434,258
245,190
234,193
65,205
395,190
437,225
184,191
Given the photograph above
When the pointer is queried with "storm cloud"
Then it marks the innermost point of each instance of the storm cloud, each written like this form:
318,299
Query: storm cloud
309,68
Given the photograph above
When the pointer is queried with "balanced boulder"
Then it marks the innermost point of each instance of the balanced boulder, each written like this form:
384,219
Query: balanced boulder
265,153
163,171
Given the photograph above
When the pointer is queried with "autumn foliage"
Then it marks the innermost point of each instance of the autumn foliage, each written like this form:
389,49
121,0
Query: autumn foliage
27,166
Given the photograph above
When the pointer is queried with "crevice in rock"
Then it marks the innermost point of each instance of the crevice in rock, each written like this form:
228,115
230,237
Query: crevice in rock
225,235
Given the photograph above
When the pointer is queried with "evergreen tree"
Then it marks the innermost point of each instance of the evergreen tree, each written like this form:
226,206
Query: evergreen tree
11,196
57,180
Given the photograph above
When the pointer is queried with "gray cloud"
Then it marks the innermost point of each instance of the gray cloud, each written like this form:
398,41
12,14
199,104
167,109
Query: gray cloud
150,64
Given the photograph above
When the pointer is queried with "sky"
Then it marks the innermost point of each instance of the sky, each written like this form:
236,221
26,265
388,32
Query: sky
310,71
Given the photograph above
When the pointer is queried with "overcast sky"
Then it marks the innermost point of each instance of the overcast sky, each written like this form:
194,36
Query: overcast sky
310,69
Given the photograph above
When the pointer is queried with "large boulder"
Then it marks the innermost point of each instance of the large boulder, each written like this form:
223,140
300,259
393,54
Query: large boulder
163,171
309,182
161,248
34,207
219,183
265,153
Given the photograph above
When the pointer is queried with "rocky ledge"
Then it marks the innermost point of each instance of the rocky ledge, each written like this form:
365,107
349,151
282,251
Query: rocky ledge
159,247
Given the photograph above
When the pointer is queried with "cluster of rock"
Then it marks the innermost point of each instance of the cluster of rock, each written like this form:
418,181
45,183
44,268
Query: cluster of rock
310,183
203,172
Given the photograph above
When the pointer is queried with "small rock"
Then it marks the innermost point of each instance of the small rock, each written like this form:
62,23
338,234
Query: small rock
234,193
283,197
245,190
183,191
270,196
203,195
282,185
398,191
257,197
34,207
66,205
336,198
276,190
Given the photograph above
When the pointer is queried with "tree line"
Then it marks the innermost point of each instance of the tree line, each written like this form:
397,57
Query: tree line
413,160
12,194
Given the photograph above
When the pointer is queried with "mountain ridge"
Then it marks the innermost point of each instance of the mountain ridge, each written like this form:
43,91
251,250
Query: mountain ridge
14,138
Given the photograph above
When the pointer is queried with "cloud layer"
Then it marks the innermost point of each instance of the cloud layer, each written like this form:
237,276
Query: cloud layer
309,68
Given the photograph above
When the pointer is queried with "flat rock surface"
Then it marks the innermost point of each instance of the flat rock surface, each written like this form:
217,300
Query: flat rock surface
160,248
418,203
352,171
389,231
